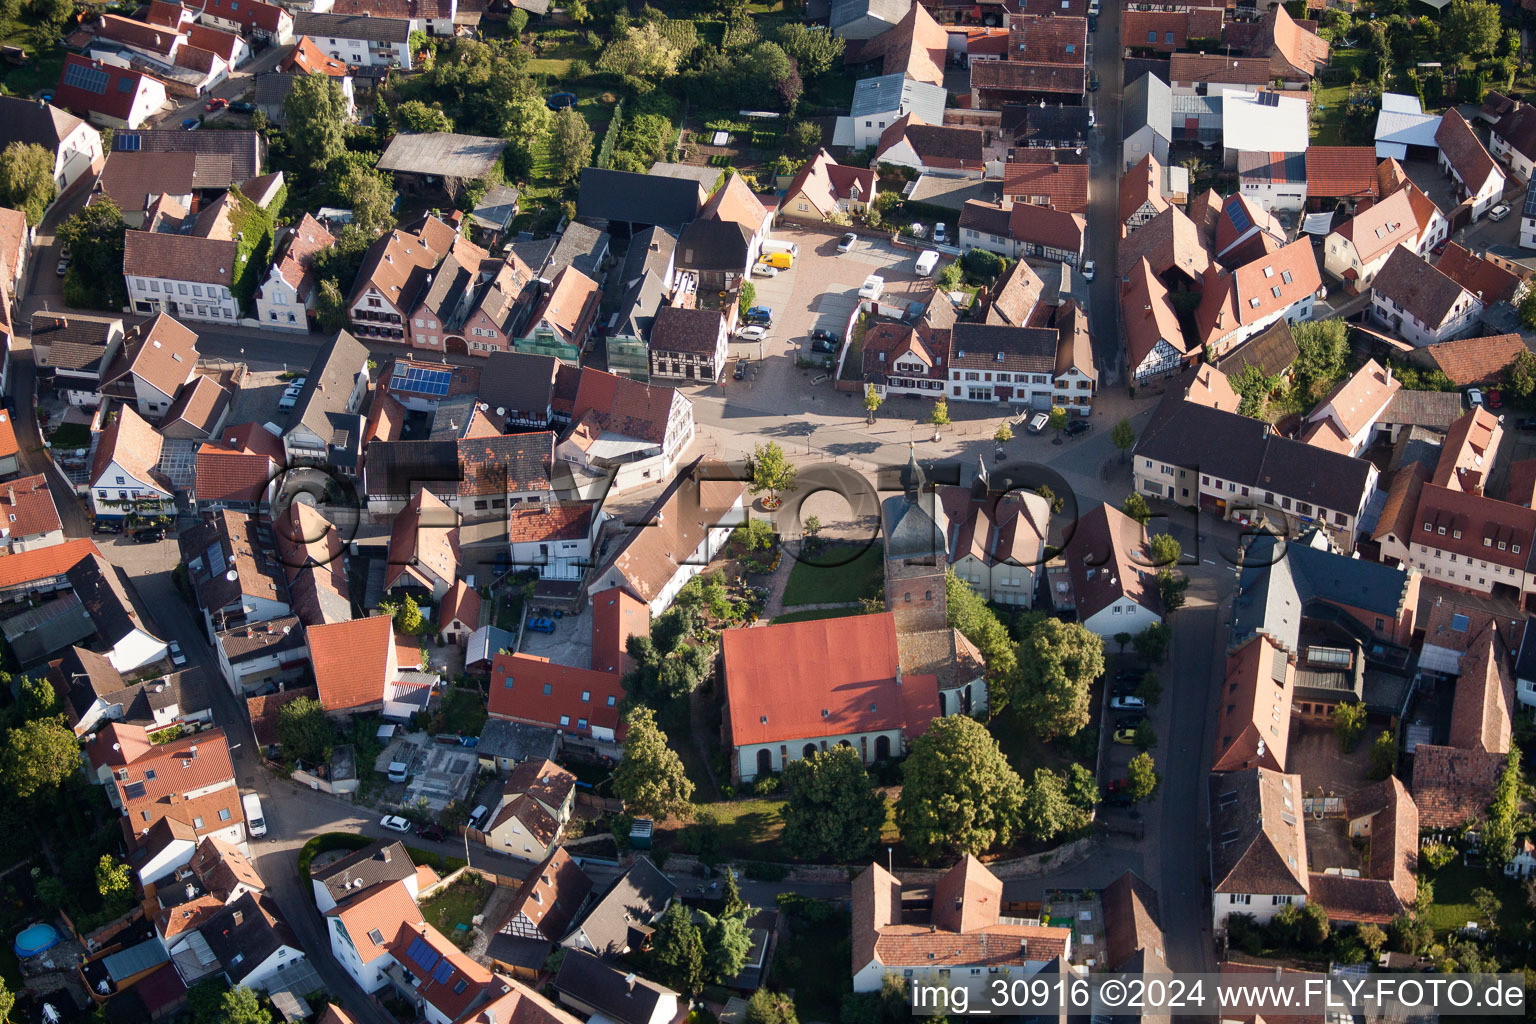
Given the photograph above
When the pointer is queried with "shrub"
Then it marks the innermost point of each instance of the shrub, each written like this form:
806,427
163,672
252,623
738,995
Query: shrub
759,872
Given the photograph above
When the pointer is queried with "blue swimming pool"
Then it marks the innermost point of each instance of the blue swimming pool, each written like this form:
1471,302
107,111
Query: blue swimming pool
35,940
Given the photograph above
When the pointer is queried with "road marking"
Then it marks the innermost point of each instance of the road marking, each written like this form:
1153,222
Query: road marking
1207,561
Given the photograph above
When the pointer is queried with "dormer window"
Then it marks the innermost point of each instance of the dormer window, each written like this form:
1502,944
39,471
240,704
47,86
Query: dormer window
1441,531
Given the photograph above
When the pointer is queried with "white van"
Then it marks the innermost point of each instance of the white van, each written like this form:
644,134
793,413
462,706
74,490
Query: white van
771,246
927,262
254,822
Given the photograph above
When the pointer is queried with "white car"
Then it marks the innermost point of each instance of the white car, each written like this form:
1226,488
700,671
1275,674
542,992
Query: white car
764,270
395,823
1038,423
846,243
1128,703
753,333
927,262
1499,212
873,285
178,657
940,235
1474,397
1088,270
288,401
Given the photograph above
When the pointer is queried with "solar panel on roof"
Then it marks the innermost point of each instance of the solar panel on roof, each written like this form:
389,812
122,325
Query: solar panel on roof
1238,214
442,972
422,380
126,143
423,954
88,78
215,559
134,790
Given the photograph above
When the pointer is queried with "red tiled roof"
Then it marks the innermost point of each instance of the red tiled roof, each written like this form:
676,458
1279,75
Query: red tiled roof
134,445
310,59
423,543
1148,315
1249,292
1452,786
179,257
525,688
114,101
1488,281
208,38
1461,147
1476,518
462,602
239,467
1475,360
616,616
1253,717
8,443
162,352
375,919
1485,696
43,563
1065,186
353,661
1141,185
153,38
1217,68
263,711
26,507
826,677
549,521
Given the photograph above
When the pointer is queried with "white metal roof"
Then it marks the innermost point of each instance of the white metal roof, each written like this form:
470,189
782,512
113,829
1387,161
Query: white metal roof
1264,122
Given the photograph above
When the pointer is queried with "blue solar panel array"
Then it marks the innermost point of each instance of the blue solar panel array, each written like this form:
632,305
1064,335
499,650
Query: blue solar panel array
1239,215
90,79
423,954
422,380
443,972
126,143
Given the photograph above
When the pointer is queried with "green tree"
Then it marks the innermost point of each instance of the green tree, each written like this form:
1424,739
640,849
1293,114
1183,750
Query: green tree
317,120
50,17
642,51
1498,834
1383,755
304,732
26,180
1047,810
731,903
1528,309
1058,418
959,793
331,307
771,471
677,951
939,415
726,945
526,119
832,810
1145,737
1372,938
747,298
769,1007
1141,777
1348,723
872,401
95,236
416,116
240,1005
1520,375
1171,586
1052,501
114,885
570,144
577,10
650,777
949,277
38,758
370,195
1058,662
1124,437
408,618
1474,25
1322,348
1150,689
1003,433
1151,644
37,697
1136,507
967,611
805,137
1314,925
1165,549
813,48
8,1002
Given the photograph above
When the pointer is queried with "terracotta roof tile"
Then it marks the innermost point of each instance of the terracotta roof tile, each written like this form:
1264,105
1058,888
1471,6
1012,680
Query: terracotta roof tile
1258,845
1342,172
1253,716
179,257
550,521
525,688
1476,360
1488,281
353,661
1451,786
552,894
134,445
423,543
44,563
27,508
1065,186
616,616
462,602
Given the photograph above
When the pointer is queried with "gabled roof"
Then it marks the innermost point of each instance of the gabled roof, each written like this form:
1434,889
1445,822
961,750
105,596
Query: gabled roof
636,899
1475,360
626,196
134,445
235,152
1253,720
29,121
552,895
1141,185
1131,925
130,179
1342,172
160,352
239,466
1517,127
1297,46
376,918
1257,842
624,406
353,661
1063,185
1109,561
45,563
1219,69
823,181
1147,314
1417,287
531,689
307,57
1382,225
1451,785
1148,102
424,538
1487,280
1258,289
1358,399
938,147
27,508
118,88
382,863
1169,241
916,46
442,153
618,995
352,26
1272,350
165,256
570,305
1459,145
1485,696
228,545
329,383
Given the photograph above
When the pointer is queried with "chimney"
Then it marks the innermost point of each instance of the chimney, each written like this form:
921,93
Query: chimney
386,855
239,918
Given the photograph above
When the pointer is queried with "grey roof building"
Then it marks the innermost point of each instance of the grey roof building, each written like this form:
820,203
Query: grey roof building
322,406
495,209
51,626
1146,118
628,199
519,387
580,246
621,996
622,919
352,26
511,743
382,862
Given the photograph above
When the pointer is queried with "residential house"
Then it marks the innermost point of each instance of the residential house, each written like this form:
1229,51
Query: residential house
361,666
435,163
1512,139
1262,122
1474,360
15,245
1342,174
1245,231
285,298
238,471
124,474
1478,179
28,517
373,42
1481,277
1528,222
74,145
393,274
639,200
926,148
478,477
536,803
1216,74
1295,52
157,360
916,46
230,47
580,706
1112,576
1017,230
10,448
459,614
1253,724
104,596
1238,468
1155,345
849,689
1345,420
199,411
493,214
634,434
688,344
184,275
683,530
1358,248
272,653
824,187
228,567
424,552
42,570
1235,306
254,18
718,249
588,985
900,359
1274,182
995,541
434,17
1146,116
1049,178
1459,538
1174,246
557,538
961,939
1045,60
231,157
252,943
620,920
1133,936
365,872
325,424
189,779
544,908
72,350
1419,302
564,321
1258,845
880,102
112,96
1141,193
94,693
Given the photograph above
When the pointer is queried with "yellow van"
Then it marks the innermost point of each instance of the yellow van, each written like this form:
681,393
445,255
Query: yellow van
781,260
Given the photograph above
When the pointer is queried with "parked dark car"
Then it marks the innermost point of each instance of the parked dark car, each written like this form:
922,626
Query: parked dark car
819,345
822,334
741,370
149,535
758,315
242,107
1077,427
107,526
1528,423
1093,81
1131,675
436,833
1117,793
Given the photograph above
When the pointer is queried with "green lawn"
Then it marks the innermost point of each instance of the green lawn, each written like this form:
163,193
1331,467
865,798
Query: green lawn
463,711
70,435
816,613
458,904
750,828
1330,131
1023,750
1453,906
829,583
675,721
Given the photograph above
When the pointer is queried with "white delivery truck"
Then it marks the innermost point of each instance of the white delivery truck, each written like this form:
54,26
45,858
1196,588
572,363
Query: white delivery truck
927,262
773,245
254,822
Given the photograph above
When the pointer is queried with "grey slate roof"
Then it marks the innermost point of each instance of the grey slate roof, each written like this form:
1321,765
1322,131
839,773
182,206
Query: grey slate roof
352,26
637,898
1435,409
637,309
245,148
382,862
627,197
33,123
243,945
650,250
676,329
617,995
1277,585
51,626
496,208
1148,101
515,741
844,12
105,597
518,382
336,366
581,247
272,89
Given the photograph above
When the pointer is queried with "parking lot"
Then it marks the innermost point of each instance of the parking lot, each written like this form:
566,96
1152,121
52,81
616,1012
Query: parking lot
820,291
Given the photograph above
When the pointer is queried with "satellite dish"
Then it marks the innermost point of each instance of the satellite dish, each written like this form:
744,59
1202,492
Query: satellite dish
232,575
117,746
79,453
484,406
500,411
287,630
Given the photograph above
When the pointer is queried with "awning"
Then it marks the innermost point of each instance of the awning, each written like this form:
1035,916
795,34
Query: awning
1317,223
1395,150
1440,659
